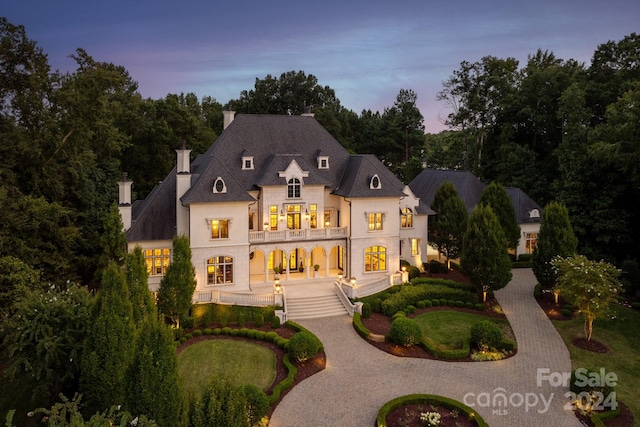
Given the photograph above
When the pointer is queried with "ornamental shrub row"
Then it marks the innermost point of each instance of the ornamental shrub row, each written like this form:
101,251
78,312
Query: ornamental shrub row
359,326
411,294
446,354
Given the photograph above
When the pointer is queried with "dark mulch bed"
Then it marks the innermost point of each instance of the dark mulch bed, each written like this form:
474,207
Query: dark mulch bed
547,303
625,419
592,345
305,369
409,415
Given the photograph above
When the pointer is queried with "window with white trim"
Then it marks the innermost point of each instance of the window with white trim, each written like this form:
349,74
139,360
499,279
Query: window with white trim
247,163
531,240
219,270
375,220
220,228
375,258
323,162
375,183
157,260
415,247
406,218
219,186
293,188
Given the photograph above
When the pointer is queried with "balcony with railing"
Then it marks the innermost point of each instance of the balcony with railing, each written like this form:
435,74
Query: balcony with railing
297,234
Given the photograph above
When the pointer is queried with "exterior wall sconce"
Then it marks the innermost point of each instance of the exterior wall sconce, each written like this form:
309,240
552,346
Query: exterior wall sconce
281,215
306,214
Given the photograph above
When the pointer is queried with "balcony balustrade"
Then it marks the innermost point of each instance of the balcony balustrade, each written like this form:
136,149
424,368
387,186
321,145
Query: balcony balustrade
300,234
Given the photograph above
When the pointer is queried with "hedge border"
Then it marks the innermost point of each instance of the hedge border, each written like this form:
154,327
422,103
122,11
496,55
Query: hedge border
359,326
598,419
387,408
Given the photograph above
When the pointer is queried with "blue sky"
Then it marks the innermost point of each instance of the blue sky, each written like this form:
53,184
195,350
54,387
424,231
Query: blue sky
365,50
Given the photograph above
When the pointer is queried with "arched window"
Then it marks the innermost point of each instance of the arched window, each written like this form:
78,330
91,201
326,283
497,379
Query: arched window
375,258
406,218
219,186
219,270
375,183
293,188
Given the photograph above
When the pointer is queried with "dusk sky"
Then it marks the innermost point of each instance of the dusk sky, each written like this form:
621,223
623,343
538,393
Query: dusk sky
365,50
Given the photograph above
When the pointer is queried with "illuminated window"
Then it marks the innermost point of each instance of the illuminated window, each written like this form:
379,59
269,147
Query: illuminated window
219,228
415,246
375,258
406,218
375,221
273,218
219,270
293,188
157,261
531,240
313,216
294,214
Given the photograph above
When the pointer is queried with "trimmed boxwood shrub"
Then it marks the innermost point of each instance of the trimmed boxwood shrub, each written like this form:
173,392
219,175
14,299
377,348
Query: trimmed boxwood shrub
366,310
217,331
399,314
234,332
183,340
299,328
566,313
568,307
260,335
282,342
414,272
303,346
376,305
197,333
464,410
258,320
275,322
226,330
446,354
285,383
537,291
270,336
410,309
479,306
252,333
359,326
507,345
421,304
243,332
486,334
257,403
428,303
435,302
188,322
405,331
468,305
188,336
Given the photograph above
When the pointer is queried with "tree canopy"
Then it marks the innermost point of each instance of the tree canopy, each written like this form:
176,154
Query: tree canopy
446,229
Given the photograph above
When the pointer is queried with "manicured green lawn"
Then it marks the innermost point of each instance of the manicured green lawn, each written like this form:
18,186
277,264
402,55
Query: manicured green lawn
450,329
240,362
622,335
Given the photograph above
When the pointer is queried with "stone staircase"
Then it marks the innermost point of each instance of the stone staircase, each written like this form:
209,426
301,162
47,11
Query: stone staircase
312,307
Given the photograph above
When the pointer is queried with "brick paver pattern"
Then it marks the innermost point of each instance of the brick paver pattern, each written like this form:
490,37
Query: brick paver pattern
359,378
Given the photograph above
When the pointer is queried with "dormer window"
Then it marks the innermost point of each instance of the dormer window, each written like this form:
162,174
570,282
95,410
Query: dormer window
323,162
534,213
247,163
375,183
219,186
293,188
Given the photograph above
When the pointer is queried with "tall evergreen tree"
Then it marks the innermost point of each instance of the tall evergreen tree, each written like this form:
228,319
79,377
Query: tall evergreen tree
446,228
484,256
107,352
141,299
152,383
179,282
556,238
496,196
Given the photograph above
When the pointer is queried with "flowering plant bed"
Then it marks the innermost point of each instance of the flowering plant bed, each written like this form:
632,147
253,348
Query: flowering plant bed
427,410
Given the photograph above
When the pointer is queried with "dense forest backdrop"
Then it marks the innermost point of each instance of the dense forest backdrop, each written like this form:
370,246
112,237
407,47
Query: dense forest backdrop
559,129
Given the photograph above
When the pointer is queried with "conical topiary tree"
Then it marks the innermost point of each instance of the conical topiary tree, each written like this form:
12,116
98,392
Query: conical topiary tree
496,196
178,284
484,257
141,299
556,239
447,227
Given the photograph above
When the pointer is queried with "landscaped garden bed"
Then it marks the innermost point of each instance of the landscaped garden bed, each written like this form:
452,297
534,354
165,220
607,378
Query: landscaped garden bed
427,410
443,310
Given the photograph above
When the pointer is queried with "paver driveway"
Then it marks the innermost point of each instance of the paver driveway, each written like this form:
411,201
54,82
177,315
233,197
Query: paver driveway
359,378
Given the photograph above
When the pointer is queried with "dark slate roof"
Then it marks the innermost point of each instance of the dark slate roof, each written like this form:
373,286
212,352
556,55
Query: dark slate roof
356,182
424,209
266,137
279,162
426,184
154,218
469,189
204,193
523,205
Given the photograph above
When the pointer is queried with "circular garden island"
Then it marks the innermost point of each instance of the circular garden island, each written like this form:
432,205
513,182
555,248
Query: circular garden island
427,410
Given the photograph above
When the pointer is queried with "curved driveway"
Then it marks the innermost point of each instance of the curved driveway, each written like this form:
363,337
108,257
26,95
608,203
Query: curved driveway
359,378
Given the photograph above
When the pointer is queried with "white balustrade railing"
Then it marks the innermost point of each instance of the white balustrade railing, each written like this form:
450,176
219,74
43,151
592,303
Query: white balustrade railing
221,297
344,299
301,234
